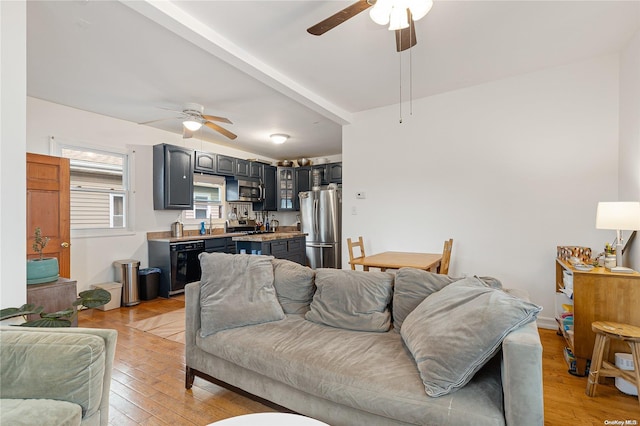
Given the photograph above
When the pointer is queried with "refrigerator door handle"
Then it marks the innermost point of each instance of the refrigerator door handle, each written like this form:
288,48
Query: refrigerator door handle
319,245
316,217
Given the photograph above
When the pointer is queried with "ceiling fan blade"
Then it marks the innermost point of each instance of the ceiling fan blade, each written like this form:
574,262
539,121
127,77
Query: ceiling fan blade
214,118
338,18
219,129
406,37
186,133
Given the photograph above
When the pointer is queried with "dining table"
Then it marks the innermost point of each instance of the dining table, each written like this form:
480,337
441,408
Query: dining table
400,259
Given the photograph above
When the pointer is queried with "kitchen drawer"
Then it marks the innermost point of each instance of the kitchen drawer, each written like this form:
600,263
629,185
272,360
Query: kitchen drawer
296,244
278,247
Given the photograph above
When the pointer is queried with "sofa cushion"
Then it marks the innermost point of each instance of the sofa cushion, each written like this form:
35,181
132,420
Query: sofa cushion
411,287
456,330
354,300
29,412
294,286
47,365
235,291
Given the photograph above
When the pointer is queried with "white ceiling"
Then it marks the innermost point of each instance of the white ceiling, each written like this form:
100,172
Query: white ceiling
254,62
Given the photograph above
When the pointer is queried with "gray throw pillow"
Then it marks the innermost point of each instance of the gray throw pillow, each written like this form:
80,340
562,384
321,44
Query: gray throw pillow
456,330
294,285
236,290
354,300
411,287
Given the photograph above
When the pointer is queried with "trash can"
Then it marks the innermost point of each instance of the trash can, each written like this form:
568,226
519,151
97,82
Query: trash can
149,283
127,274
116,295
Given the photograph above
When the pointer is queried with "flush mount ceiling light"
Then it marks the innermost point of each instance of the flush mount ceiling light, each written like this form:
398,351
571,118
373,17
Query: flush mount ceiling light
394,12
279,138
192,124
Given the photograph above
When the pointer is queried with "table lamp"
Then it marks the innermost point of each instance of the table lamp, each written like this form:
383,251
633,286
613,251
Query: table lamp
618,215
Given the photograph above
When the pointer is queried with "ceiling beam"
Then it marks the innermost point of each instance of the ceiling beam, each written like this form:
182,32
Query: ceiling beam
173,18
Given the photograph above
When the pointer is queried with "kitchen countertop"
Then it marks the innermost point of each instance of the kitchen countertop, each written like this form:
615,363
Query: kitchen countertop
269,237
188,238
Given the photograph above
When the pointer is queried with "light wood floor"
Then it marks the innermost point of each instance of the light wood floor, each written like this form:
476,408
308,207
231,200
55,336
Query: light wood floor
148,380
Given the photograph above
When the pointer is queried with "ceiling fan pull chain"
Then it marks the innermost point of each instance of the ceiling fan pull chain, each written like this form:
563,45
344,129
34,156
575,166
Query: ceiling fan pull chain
400,83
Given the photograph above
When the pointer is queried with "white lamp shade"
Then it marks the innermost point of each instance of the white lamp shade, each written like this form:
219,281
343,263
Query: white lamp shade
192,125
618,215
380,12
398,19
279,138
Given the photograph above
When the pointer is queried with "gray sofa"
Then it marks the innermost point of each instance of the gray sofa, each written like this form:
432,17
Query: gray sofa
336,352
55,376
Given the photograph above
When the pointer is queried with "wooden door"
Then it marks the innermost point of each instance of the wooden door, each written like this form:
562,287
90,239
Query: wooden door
48,207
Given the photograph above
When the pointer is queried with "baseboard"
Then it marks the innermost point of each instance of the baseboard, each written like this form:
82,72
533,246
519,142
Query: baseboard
546,322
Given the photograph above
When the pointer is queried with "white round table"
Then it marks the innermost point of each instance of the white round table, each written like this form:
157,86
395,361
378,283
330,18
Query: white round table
269,419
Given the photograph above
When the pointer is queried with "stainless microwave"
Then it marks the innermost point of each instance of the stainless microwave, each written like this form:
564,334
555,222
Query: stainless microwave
244,190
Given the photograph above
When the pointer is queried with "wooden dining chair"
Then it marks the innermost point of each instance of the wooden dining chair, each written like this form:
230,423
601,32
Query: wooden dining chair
446,257
351,245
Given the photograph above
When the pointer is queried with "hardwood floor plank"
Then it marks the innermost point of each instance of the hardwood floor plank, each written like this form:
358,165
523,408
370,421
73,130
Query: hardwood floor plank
148,380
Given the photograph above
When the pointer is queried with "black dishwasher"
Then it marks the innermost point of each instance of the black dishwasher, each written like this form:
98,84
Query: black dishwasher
185,265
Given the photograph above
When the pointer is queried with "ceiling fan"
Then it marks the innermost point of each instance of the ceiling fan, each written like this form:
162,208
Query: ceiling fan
193,118
399,14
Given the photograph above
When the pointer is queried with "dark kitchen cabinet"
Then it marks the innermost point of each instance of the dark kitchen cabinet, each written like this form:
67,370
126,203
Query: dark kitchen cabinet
334,172
242,168
255,169
292,249
225,165
269,182
205,162
220,245
172,177
303,183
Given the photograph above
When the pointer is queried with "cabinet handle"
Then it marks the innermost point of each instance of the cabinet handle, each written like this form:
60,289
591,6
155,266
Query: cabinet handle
64,244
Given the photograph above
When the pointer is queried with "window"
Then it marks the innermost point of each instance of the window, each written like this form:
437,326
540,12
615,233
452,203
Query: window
98,182
208,199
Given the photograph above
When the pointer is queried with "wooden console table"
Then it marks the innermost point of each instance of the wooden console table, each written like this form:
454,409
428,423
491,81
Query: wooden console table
598,295
54,296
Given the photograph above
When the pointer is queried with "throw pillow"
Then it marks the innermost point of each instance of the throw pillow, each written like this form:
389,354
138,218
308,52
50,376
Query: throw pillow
354,300
236,290
411,287
294,286
456,330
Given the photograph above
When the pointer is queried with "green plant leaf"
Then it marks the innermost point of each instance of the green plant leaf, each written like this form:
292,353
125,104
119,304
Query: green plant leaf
66,313
93,298
26,309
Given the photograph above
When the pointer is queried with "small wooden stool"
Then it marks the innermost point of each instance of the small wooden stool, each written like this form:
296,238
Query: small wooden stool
600,367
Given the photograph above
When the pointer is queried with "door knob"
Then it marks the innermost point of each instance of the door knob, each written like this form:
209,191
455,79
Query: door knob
65,244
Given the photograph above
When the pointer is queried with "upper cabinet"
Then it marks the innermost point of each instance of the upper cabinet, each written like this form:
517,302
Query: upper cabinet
225,165
256,169
286,188
205,162
242,168
173,168
334,172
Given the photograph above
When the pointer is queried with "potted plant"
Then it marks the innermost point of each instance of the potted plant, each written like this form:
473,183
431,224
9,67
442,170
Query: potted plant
42,269
89,299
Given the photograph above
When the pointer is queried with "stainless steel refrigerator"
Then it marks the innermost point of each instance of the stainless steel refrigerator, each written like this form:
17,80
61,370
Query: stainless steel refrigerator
321,220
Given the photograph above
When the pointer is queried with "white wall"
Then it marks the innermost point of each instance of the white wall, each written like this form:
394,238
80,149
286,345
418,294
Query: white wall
92,257
13,184
508,169
629,177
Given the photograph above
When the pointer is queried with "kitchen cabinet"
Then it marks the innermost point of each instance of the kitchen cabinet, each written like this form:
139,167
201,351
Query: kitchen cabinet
303,183
269,180
205,162
256,169
334,173
242,168
598,295
286,247
286,191
225,165
173,168
220,245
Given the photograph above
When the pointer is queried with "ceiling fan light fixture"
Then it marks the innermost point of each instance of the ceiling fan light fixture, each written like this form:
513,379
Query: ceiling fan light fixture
279,138
394,12
398,19
192,125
